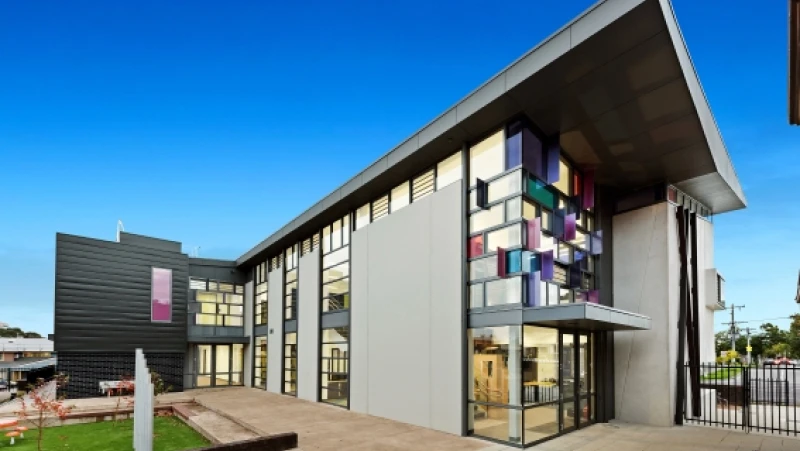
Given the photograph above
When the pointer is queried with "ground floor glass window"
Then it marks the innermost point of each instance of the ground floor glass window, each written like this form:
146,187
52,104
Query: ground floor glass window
529,383
290,364
334,366
260,363
219,365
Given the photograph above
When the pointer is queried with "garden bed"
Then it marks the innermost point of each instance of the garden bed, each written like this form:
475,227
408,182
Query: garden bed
169,434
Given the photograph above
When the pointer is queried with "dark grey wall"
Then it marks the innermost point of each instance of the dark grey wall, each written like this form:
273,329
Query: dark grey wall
222,270
604,208
102,296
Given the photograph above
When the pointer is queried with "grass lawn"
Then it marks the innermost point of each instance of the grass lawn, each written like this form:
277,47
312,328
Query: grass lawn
171,434
723,373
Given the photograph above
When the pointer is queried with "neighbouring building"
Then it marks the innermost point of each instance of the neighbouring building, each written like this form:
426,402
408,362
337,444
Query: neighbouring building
21,357
537,258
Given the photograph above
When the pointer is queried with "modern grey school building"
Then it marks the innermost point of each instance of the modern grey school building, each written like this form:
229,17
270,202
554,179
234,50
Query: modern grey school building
537,258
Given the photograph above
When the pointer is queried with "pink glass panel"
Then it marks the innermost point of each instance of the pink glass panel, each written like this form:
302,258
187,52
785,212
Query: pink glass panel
161,295
475,247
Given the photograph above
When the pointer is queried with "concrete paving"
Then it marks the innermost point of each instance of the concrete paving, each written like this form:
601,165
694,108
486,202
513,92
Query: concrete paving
617,436
323,427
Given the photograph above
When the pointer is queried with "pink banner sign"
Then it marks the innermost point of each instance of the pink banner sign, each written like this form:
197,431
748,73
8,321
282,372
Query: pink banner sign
161,296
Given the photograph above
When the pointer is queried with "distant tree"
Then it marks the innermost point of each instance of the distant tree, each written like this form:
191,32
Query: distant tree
779,350
14,332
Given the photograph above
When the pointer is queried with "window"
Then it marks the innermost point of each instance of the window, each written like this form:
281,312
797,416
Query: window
486,159
362,216
400,197
484,219
334,366
219,365
217,308
506,237
261,295
505,186
504,291
448,170
563,183
483,268
260,364
290,302
335,280
290,363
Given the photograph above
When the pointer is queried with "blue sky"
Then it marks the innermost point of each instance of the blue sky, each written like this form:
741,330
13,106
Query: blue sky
216,123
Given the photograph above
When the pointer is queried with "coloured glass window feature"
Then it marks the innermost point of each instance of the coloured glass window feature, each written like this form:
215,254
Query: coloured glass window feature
475,246
541,193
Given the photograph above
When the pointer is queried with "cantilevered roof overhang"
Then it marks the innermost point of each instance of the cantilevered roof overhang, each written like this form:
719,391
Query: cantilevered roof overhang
616,85
794,62
579,316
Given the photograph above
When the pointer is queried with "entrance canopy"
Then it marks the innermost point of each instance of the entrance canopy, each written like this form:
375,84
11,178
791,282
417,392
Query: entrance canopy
579,316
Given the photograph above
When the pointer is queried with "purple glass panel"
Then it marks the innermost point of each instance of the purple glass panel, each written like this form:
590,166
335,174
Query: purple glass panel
534,289
574,276
514,150
547,263
594,296
501,262
588,188
534,234
532,155
596,243
553,158
570,224
161,296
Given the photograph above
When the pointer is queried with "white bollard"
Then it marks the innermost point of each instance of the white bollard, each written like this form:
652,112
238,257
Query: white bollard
142,405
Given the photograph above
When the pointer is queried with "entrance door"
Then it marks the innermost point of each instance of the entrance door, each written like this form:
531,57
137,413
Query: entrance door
568,382
584,379
576,380
219,365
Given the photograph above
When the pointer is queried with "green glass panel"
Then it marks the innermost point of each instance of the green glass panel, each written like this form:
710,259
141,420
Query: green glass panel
541,193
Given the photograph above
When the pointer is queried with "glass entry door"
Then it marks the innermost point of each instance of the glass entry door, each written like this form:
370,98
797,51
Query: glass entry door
219,365
577,377
568,381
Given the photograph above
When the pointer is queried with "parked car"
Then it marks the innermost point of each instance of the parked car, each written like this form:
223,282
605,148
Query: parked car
3,385
778,361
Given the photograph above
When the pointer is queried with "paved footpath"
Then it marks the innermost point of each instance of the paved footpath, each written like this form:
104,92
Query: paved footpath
618,436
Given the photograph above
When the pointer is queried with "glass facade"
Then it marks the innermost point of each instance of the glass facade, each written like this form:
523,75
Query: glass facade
260,293
336,266
219,365
529,383
335,366
290,364
216,303
260,363
290,292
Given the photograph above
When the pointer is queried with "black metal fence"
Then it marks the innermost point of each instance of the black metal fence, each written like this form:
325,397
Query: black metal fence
760,398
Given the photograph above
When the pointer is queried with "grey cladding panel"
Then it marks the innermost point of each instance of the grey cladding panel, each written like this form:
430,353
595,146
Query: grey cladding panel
102,297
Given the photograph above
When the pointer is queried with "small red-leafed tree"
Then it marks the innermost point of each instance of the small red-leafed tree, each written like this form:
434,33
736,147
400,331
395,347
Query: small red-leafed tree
124,394
42,406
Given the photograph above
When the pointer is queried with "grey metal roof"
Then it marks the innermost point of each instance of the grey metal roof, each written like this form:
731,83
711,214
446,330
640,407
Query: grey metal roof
26,345
28,364
616,83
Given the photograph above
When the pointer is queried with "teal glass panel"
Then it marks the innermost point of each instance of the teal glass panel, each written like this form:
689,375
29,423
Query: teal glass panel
514,261
541,193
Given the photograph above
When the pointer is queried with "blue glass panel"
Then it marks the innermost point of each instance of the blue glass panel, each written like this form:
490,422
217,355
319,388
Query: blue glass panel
514,151
514,261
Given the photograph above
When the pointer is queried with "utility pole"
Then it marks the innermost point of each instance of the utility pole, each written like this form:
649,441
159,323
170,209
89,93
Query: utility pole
749,361
733,308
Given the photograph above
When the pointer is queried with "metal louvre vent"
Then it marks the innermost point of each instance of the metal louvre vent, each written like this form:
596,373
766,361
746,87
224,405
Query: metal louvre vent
306,249
380,208
422,185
